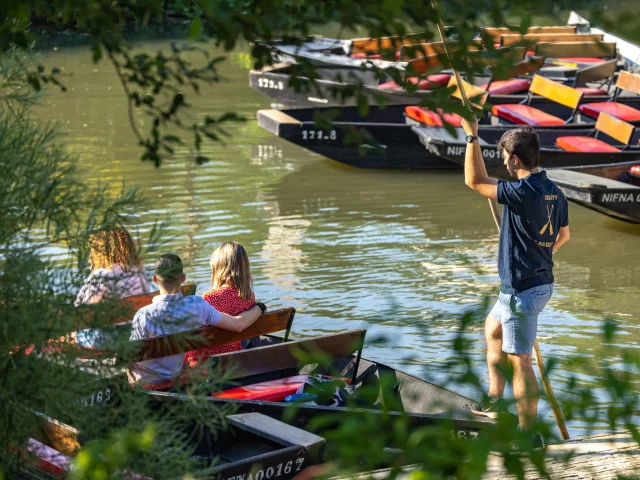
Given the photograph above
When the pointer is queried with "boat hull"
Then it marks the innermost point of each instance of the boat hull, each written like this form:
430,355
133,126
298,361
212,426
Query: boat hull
389,145
613,198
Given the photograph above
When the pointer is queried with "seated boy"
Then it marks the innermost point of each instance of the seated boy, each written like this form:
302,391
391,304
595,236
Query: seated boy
171,312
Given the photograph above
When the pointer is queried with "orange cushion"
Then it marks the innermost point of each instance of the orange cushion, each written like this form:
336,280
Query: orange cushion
432,81
587,91
505,87
582,59
584,144
363,56
431,118
525,115
618,110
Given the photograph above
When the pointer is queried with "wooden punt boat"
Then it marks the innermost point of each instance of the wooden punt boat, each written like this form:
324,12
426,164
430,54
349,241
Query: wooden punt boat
615,197
271,359
421,402
386,139
274,81
346,72
256,446
555,150
390,51
596,172
389,142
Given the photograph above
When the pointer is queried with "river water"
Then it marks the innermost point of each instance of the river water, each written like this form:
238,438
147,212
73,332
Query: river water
402,254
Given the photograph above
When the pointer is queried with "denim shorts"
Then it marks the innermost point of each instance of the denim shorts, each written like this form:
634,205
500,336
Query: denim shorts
518,314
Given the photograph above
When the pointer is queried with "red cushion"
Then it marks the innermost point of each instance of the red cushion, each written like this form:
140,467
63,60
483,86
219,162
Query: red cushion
618,110
588,91
635,170
584,144
505,87
524,115
431,118
432,81
581,59
269,391
531,53
364,56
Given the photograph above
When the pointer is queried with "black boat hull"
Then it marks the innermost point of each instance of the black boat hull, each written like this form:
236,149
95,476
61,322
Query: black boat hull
610,197
383,139
385,145
441,143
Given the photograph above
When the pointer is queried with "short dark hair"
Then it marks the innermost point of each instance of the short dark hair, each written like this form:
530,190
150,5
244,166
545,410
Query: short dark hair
523,142
169,268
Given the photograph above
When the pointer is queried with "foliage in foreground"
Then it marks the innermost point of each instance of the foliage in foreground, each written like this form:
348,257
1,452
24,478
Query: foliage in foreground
48,213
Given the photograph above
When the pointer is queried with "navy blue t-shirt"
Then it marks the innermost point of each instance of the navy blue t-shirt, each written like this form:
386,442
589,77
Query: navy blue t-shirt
534,210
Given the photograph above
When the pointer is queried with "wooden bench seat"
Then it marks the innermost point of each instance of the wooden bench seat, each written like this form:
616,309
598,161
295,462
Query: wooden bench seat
272,358
626,81
507,87
431,118
524,114
439,118
606,124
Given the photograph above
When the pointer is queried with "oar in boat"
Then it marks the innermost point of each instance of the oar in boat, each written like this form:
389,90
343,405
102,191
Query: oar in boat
557,413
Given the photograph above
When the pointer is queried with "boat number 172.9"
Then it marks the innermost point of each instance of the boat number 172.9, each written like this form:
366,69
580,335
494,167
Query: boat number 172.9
268,83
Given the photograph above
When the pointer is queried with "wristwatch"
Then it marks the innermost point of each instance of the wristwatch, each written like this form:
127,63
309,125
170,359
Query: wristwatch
471,138
262,306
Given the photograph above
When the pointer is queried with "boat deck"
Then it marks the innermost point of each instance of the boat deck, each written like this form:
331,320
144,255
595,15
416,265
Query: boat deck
602,457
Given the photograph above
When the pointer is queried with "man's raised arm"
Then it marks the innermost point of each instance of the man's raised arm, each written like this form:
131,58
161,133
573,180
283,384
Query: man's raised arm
475,173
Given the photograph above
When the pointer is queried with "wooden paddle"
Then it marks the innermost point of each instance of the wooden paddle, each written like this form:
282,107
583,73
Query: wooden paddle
557,413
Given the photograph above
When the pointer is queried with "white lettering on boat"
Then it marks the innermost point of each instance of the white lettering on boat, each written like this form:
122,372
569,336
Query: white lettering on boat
620,197
459,151
465,435
279,469
268,83
319,135
100,397
455,151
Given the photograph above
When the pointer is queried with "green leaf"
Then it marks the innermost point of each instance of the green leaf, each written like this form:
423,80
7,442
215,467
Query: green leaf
97,53
172,139
195,29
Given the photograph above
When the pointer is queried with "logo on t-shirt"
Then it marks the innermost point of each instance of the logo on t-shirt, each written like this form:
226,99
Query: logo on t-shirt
548,225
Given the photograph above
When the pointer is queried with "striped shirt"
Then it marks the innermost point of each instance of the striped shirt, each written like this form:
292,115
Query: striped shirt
168,314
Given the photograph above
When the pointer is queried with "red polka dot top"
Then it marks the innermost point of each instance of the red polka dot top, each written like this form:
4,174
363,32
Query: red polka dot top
226,300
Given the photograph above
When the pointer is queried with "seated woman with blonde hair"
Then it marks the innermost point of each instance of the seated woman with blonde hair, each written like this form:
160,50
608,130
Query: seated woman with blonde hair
116,270
230,293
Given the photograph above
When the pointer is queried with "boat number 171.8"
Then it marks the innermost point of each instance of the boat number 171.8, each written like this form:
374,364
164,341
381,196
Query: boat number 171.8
268,83
273,472
319,135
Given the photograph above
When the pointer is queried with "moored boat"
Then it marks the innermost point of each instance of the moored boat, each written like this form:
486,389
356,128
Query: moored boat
617,198
420,402
568,52
254,443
